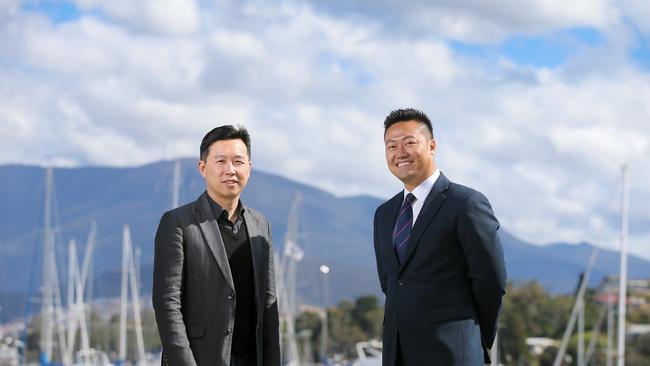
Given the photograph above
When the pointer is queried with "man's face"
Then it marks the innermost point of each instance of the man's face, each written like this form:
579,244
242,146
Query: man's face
409,152
226,169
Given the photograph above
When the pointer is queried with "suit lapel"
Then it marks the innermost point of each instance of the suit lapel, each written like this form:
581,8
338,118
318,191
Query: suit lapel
431,206
254,237
392,208
210,228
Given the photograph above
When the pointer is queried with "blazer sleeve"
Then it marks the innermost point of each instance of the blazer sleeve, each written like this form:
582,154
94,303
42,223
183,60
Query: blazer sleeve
484,256
168,279
380,267
271,323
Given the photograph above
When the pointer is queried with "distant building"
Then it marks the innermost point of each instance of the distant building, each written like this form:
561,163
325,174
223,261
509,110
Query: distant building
11,329
639,286
636,330
637,291
537,345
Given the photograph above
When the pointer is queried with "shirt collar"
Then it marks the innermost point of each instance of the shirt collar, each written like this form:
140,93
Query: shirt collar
219,211
423,189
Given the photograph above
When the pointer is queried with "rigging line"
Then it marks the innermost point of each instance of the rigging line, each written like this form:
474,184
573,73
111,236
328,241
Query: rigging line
60,251
595,333
612,205
26,308
37,235
583,285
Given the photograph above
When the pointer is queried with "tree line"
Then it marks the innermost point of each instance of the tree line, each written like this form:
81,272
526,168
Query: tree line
528,311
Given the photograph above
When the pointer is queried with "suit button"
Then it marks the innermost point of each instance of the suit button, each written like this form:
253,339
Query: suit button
230,297
400,282
228,331
395,315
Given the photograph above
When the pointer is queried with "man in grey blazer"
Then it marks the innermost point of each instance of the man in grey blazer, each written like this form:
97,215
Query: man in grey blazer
213,281
439,257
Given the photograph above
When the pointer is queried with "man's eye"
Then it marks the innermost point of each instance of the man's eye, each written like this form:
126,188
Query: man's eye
239,162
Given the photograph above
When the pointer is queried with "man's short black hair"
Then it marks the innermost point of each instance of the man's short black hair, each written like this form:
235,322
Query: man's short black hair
227,132
407,114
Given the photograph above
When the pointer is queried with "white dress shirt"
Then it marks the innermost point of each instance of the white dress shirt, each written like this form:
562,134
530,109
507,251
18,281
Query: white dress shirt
421,192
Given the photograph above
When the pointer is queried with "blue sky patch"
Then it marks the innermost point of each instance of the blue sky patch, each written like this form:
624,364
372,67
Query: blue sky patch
57,11
550,51
641,53
470,49
536,51
587,36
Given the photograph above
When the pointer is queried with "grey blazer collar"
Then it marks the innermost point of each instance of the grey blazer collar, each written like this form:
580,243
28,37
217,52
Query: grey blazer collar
210,228
208,224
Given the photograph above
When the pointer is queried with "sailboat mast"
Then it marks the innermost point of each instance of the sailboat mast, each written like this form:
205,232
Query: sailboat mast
581,334
124,293
176,184
610,331
47,325
623,277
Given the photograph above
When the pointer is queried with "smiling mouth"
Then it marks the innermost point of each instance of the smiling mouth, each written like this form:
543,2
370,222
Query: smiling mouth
230,182
403,164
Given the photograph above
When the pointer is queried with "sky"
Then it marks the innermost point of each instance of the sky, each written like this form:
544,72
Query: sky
536,103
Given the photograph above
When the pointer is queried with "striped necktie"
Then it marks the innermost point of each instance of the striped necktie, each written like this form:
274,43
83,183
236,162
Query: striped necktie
403,227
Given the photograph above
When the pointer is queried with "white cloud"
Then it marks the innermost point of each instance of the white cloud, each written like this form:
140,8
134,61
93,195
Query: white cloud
477,21
167,17
638,11
545,145
8,8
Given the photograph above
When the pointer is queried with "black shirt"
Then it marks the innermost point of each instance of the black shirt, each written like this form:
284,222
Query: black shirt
238,248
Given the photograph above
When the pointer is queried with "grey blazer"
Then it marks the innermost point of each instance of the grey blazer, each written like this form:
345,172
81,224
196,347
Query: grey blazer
193,291
443,301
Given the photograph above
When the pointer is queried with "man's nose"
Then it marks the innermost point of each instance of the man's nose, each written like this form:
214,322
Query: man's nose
229,168
401,150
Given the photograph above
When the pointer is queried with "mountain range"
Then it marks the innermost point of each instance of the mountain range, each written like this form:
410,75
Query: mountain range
336,231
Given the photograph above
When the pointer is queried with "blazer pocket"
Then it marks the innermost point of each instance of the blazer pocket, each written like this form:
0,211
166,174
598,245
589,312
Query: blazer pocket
195,330
455,312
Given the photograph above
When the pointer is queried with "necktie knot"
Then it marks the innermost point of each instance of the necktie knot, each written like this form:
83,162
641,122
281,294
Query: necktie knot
410,198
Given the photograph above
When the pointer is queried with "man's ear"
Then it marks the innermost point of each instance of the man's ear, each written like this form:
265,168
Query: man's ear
201,167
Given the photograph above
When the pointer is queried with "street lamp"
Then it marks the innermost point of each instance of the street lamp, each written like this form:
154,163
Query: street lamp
324,269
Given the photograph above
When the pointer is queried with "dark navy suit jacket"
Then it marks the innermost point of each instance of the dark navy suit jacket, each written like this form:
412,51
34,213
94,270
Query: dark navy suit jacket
444,300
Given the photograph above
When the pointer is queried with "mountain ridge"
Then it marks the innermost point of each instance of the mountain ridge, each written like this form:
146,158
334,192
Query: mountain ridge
336,231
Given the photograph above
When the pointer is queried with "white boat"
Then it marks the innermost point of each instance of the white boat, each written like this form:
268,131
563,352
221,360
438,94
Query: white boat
91,357
9,355
369,354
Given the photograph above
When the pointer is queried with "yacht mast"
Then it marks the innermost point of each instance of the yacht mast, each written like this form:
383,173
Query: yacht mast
623,276
47,309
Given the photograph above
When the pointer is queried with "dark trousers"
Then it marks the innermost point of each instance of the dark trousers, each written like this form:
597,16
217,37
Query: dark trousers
456,343
243,361
399,360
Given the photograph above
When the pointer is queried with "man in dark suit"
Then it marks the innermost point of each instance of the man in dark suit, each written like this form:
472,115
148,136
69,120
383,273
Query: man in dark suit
213,282
439,257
